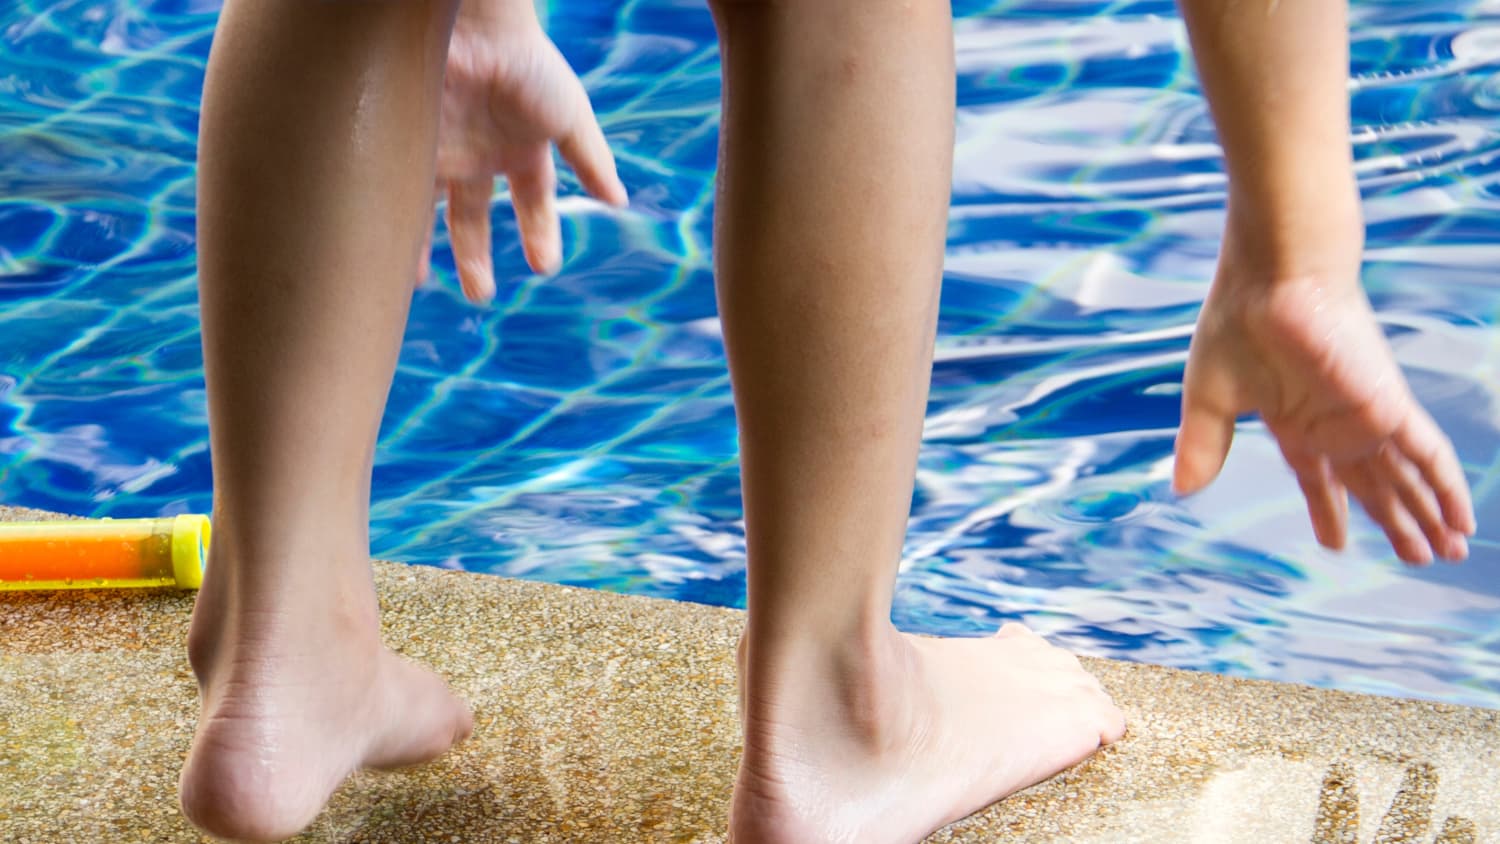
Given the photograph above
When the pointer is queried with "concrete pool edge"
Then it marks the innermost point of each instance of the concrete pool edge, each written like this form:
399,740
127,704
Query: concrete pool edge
603,717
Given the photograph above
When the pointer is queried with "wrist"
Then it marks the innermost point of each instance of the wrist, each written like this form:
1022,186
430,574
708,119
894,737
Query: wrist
1319,231
502,15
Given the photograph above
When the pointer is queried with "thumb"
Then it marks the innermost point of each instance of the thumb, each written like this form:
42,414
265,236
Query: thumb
1203,440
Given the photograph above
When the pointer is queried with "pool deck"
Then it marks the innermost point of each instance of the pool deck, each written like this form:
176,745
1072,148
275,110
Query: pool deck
605,718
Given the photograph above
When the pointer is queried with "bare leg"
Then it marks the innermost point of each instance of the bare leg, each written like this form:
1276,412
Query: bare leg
316,173
835,173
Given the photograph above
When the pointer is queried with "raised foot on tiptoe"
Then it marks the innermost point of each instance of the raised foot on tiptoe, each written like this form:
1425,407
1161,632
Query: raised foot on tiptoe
286,717
912,735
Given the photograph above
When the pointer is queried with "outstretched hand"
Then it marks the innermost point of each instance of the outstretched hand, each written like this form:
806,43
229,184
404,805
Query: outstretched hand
508,97
1308,355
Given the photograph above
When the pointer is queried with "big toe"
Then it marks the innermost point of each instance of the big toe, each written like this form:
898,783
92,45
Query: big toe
1112,723
1014,628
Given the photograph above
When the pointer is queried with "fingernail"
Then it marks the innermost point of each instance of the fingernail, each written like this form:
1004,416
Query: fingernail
546,263
481,292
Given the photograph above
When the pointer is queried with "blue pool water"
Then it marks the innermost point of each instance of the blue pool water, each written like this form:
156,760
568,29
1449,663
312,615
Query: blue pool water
580,429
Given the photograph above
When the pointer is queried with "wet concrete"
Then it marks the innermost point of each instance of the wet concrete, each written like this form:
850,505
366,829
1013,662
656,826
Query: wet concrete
605,718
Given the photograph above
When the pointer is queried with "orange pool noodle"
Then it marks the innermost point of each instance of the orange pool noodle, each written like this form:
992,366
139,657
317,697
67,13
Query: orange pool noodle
103,553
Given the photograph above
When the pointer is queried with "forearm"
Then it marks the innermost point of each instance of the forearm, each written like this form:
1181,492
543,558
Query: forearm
1275,73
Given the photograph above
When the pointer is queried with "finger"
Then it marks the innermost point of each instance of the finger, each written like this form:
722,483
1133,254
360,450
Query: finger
469,235
1421,503
424,255
1202,442
1327,501
588,153
424,259
1383,503
1429,449
533,192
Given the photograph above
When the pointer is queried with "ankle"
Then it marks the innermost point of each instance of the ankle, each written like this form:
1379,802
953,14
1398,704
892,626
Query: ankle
854,685
777,647
258,606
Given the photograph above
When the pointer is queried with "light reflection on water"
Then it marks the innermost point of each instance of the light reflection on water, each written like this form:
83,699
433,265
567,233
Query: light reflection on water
580,430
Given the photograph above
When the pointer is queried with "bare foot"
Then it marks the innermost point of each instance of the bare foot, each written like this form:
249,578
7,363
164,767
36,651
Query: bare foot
909,736
294,700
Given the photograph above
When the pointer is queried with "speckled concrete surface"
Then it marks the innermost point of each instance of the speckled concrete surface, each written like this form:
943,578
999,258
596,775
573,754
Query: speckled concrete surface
603,718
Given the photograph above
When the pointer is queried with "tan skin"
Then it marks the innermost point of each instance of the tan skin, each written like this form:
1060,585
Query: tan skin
331,110
340,104
509,97
1286,331
834,179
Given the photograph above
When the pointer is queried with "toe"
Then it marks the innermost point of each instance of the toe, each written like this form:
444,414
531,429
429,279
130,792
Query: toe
463,723
1015,628
1112,726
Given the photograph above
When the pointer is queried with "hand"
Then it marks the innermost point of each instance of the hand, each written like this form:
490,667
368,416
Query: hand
1309,356
508,97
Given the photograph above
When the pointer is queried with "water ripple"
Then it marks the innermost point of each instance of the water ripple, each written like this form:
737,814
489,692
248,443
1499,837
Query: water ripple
581,429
